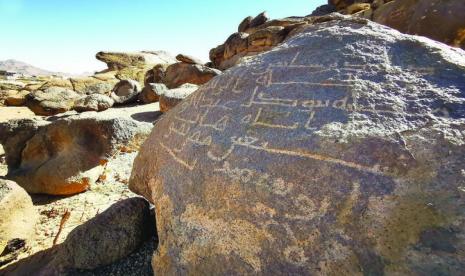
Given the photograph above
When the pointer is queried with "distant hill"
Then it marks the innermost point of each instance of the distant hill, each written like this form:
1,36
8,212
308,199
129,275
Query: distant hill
24,68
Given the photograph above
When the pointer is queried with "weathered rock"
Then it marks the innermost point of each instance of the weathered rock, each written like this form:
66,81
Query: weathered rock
92,85
16,98
252,39
159,72
93,102
109,236
324,10
245,24
126,91
151,92
356,8
64,157
119,60
106,238
439,20
17,214
338,153
172,97
180,73
188,59
56,82
51,101
257,21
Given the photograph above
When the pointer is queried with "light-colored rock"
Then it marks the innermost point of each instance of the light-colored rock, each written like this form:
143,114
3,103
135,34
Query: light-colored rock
17,214
169,98
51,101
180,73
93,102
126,91
65,156
188,59
120,60
92,85
339,152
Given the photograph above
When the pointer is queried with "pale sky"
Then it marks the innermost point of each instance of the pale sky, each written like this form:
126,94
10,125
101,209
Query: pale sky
64,36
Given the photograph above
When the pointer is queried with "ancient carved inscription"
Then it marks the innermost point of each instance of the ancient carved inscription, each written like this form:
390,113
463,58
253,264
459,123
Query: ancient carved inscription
265,99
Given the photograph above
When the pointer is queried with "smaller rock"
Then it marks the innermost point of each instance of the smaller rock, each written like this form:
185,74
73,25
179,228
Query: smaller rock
17,214
51,101
91,85
180,73
16,98
126,91
170,98
109,236
188,59
258,20
357,7
151,92
245,24
93,102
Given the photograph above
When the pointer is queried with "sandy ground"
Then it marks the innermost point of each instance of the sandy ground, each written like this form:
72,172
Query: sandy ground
111,188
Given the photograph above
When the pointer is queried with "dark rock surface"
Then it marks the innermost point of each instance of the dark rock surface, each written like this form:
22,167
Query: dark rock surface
338,153
103,240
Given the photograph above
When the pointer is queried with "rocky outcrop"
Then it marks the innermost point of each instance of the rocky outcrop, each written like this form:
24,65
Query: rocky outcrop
169,98
181,73
255,35
65,156
126,91
51,101
435,19
108,237
119,60
93,102
339,152
17,215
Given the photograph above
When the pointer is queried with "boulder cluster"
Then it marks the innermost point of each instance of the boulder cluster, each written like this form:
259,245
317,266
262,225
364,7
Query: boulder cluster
127,80
327,144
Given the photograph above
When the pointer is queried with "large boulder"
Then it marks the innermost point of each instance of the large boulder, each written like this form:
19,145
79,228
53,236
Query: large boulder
108,237
126,91
437,19
169,98
120,60
180,73
67,155
339,152
17,214
93,102
92,85
51,101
